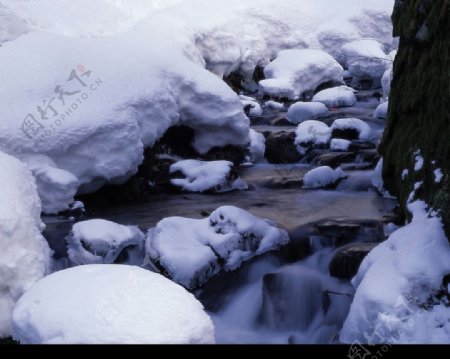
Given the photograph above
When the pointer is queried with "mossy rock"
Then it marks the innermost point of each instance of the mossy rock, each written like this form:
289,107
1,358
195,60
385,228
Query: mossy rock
419,110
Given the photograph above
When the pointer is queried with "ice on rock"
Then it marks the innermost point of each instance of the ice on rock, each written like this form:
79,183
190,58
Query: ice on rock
338,144
382,110
312,133
341,96
365,58
295,72
396,284
110,304
323,177
361,129
257,146
202,176
304,111
251,105
98,241
24,253
194,250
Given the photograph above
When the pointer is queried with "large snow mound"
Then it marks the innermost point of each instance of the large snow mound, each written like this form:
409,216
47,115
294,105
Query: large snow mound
24,253
98,241
304,111
310,133
323,177
398,286
295,72
257,146
382,110
341,96
194,250
110,304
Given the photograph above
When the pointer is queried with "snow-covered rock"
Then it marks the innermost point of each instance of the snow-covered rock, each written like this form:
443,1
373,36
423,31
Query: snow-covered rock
254,107
24,253
377,179
382,110
295,72
365,58
396,284
362,130
386,81
257,146
323,177
341,96
273,105
202,176
56,187
98,241
147,63
194,250
304,111
338,144
312,133
110,304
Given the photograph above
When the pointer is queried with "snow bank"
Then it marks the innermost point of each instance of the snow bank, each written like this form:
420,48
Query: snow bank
310,133
102,242
322,177
146,63
365,58
295,72
257,146
194,250
24,253
397,284
304,111
339,145
110,304
363,129
341,96
201,176
56,187
382,110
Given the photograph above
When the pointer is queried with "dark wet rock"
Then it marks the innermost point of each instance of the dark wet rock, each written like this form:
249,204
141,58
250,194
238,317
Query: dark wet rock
356,166
281,149
344,232
334,159
369,156
235,154
346,134
8,341
281,122
314,153
361,145
348,259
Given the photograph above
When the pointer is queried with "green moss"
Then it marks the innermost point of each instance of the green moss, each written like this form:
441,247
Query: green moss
419,103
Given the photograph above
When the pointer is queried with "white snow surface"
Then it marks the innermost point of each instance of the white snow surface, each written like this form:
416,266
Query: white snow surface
255,106
341,96
201,176
147,61
98,241
364,130
194,250
273,105
110,304
338,144
295,72
304,111
257,146
56,187
365,58
396,280
24,253
322,177
382,110
419,162
312,132
438,175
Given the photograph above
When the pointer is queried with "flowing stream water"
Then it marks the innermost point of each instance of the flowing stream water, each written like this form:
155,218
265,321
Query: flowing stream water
281,297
